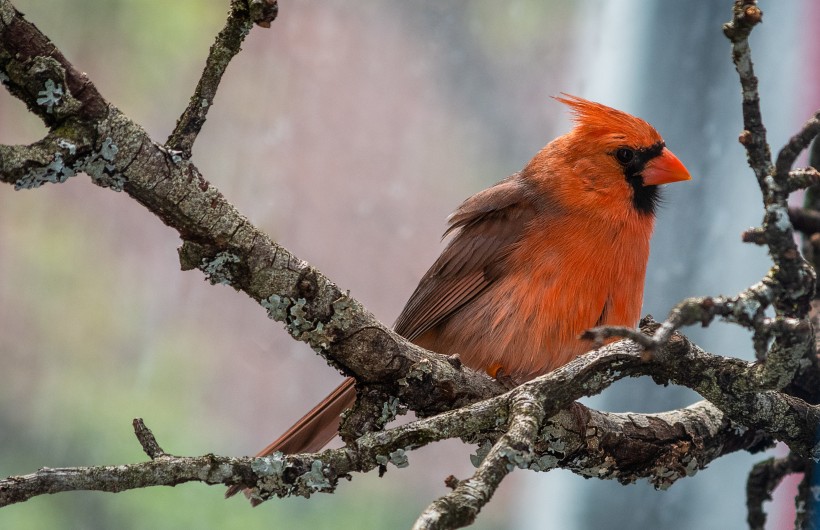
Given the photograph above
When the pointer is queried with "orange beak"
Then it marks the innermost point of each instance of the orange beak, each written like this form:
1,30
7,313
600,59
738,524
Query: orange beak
664,169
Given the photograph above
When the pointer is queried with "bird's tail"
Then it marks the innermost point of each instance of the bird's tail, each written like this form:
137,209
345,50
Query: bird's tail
315,429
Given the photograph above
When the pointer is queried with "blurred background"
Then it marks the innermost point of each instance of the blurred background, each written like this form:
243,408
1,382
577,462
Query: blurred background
348,131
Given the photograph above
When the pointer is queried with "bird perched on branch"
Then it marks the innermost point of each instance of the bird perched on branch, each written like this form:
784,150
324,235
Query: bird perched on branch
553,250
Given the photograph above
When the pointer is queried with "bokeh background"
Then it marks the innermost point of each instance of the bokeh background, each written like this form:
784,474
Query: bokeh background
348,131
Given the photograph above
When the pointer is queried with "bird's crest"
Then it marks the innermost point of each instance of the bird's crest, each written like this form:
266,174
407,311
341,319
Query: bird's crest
595,120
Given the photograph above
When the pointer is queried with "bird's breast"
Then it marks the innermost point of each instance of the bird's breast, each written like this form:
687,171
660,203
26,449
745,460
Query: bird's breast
556,284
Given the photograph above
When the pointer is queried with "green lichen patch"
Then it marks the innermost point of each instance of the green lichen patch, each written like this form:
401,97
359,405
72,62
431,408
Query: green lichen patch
271,471
481,453
277,307
51,96
390,409
56,171
100,166
298,322
343,312
399,458
515,458
269,465
319,334
544,463
319,338
218,269
420,369
63,164
315,479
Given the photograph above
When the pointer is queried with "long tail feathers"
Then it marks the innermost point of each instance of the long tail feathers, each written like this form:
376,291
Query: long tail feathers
315,429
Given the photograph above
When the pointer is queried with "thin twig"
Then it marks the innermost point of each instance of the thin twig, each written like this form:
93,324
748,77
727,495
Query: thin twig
763,480
802,178
147,440
746,15
600,334
796,144
227,44
755,235
746,309
806,221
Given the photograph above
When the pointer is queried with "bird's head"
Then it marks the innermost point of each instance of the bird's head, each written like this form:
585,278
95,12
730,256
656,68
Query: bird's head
610,158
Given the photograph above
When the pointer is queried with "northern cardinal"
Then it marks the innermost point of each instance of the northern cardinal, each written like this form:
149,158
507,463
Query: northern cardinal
534,260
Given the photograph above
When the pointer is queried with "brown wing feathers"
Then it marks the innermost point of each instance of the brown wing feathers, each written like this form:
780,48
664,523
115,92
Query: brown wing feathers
489,224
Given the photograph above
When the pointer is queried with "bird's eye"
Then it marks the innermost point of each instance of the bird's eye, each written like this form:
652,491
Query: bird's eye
624,155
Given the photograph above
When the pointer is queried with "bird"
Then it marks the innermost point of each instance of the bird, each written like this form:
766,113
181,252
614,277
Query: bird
535,260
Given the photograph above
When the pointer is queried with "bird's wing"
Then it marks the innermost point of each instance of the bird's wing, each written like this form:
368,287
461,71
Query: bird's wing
487,227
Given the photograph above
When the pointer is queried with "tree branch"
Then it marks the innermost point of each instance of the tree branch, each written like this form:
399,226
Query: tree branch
227,44
763,479
147,440
627,447
746,15
796,144
461,506
806,221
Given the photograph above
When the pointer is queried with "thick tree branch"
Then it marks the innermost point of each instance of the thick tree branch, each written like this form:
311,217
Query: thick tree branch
35,71
627,447
661,447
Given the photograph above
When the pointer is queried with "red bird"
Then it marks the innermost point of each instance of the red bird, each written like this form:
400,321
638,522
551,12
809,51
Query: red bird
535,260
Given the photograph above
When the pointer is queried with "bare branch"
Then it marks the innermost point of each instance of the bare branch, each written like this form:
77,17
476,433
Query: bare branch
166,471
746,15
147,440
806,221
38,73
461,506
672,445
803,178
789,153
795,276
746,309
228,42
755,235
763,479
600,334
